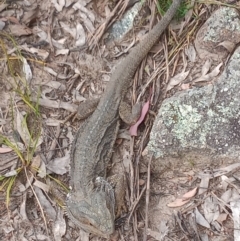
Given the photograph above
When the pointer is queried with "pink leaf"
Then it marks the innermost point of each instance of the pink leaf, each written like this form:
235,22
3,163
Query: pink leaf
5,149
190,194
134,128
178,202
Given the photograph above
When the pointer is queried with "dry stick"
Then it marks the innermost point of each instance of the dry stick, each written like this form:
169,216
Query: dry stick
175,63
147,199
72,115
156,73
222,204
165,49
131,171
120,12
153,14
99,32
54,143
39,204
134,227
72,79
49,31
132,179
136,203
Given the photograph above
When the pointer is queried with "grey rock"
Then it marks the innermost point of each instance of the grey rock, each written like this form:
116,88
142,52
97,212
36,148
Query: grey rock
121,27
219,34
205,120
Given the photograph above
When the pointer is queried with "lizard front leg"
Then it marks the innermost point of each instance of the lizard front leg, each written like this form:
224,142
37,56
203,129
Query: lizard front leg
129,115
85,109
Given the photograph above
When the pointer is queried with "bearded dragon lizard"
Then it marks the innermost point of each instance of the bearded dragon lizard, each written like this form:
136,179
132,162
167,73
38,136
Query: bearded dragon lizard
91,202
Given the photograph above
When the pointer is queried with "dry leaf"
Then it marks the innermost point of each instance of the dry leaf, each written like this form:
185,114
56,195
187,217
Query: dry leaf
216,226
159,235
41,185
58,4
19,30
222,217
59,228
59,165
2,25
35,164
190,194
81,6
30,16
62,52
206,67
52,72
40,52
235,207
53,122
211,209
44,37
235,195
177,79
145,152
126,160
54,85
13,20
3,5
5,149
55,104
218,172
141,182
200,219
203,236
71,31
26,70
228,45
84,236
23,129
191,53
80,35
209,76
185,86
46,205
227,195
10,173
42,172
183,200
177,203
203,186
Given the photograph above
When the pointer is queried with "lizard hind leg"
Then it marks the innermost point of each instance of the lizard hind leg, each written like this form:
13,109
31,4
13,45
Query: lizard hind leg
129,115
118,182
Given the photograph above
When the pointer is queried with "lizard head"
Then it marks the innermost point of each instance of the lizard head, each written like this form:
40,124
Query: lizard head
91,213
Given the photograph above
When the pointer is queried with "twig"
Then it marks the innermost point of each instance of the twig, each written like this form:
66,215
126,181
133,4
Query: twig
136,202
50,21
99,32
39,204
54,143
147,198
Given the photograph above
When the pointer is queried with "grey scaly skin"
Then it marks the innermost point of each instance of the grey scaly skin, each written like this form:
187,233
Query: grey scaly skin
90,204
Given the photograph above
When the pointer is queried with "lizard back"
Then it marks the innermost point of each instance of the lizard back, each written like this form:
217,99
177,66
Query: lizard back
93,144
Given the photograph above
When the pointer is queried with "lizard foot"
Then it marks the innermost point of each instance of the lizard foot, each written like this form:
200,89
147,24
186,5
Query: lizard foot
118,182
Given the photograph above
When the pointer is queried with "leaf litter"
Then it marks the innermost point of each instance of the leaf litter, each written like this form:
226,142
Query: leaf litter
49,44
